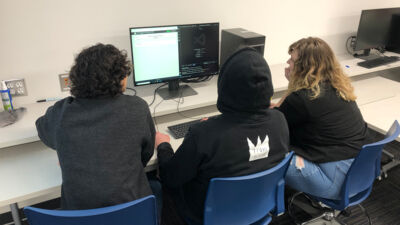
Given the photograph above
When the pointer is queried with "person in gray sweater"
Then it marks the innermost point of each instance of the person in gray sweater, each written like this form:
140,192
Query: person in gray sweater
103,138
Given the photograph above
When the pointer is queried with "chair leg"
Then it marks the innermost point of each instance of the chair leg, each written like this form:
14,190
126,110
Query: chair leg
15,214
318,221
385,168
290,207
362,209
366,213
327,218
311,208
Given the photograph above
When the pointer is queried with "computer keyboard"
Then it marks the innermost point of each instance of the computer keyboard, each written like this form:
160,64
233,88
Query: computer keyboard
378,61
180,130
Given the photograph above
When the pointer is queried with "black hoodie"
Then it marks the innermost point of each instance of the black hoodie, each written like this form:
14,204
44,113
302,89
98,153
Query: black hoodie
222,146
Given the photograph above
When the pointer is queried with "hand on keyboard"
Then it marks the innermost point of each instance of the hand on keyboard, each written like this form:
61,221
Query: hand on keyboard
161,138
180,130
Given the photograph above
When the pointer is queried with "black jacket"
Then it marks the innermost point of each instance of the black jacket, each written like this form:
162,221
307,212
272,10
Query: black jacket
103,146
226,146
325,129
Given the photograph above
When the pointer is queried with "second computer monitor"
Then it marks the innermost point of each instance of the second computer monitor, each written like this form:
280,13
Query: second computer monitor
374,28
171,53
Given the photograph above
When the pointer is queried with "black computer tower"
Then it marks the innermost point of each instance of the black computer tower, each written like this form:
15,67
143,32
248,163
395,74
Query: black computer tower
237,38
394,35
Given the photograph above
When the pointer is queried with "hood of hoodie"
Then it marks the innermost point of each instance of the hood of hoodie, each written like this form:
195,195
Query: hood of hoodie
244,83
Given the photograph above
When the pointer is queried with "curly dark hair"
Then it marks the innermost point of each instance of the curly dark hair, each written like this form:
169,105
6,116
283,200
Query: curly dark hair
98,71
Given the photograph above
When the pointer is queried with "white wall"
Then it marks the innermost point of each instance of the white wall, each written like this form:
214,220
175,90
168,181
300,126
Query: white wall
39,38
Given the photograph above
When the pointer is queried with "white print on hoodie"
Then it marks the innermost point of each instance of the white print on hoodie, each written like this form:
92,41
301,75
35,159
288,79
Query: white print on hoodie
261,150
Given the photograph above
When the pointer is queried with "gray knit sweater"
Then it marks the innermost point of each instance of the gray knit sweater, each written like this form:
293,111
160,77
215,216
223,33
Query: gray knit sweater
103,146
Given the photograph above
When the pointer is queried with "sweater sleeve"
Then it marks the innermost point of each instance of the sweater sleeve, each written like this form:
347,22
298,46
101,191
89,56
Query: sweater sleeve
294,109
181,167
148,144
46,127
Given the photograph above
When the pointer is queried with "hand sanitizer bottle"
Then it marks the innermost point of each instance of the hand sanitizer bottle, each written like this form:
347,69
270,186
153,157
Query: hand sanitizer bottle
6,97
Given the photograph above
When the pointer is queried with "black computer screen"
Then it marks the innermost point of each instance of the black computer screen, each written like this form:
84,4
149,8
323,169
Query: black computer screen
165,53
374,27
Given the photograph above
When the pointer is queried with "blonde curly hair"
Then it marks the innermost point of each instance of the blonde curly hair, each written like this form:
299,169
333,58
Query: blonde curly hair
317,63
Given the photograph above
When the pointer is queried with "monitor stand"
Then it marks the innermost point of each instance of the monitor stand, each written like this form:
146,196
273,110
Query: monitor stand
174,90
366,55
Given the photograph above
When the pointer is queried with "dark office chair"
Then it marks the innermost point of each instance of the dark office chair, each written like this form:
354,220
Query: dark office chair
357,185
247,199
141,212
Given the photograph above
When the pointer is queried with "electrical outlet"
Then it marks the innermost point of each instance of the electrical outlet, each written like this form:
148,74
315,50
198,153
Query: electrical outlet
17,87
65,82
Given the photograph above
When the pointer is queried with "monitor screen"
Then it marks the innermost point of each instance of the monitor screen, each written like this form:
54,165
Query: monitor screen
165,53
374,27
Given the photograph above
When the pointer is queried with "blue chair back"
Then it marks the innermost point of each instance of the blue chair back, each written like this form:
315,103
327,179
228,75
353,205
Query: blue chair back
365,168
141,212
247,199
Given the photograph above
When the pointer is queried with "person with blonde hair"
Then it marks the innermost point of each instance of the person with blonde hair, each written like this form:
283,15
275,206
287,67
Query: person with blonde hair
326,127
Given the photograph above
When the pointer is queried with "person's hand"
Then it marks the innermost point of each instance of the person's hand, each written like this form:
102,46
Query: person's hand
287,73
161,138
204,119
273,105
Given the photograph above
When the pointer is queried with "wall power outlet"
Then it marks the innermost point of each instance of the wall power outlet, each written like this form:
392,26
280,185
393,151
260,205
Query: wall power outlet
65,82
17,87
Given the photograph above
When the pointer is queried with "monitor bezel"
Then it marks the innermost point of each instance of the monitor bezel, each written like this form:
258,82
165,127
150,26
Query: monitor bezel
179,77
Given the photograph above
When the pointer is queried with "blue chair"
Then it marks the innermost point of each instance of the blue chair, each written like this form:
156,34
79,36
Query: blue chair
141,212
247,199
359,180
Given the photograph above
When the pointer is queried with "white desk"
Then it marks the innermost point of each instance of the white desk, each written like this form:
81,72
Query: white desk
27,172
379,102
33,169
23,131
349,65
382,113
37,164
375,89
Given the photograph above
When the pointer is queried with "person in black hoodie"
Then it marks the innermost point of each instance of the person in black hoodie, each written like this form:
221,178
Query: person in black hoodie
246,138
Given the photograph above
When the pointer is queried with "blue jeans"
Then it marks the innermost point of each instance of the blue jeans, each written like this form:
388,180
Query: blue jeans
323,180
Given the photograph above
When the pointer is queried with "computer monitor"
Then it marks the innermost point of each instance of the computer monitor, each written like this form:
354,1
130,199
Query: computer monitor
172,53
374,28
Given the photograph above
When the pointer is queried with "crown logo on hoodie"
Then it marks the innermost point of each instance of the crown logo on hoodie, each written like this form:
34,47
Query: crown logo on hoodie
260,150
